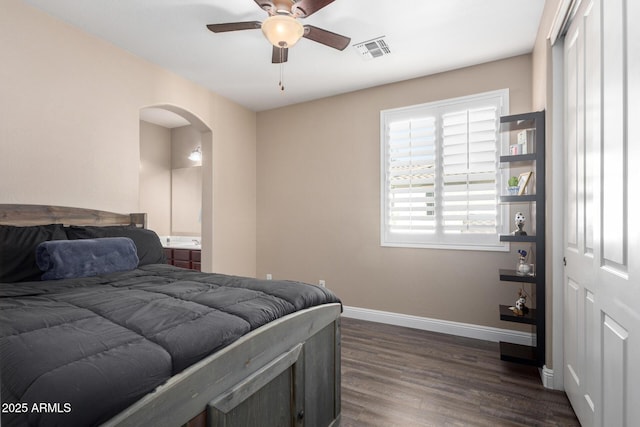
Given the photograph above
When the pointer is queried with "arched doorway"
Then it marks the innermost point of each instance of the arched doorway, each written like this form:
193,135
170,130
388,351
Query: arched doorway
171,116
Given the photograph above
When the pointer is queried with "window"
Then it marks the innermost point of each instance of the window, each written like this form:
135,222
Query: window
440,174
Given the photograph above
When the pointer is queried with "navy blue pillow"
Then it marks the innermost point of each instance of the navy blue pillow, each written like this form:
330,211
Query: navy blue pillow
66,259
150,250
18,250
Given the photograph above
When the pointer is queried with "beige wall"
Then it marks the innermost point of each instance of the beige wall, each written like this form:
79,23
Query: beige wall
234,186
543,92
70,130
541,81
319,202
155,176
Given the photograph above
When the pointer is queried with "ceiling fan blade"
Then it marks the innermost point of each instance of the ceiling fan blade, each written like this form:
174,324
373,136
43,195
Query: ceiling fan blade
304,8
325,37
234,26
279,55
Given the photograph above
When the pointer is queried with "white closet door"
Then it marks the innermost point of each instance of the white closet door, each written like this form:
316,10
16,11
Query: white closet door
602,235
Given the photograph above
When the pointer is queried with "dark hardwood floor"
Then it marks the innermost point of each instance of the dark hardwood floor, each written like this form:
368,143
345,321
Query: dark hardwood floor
395,376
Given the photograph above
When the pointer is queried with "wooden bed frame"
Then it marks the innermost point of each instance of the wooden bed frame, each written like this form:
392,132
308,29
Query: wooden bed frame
286,373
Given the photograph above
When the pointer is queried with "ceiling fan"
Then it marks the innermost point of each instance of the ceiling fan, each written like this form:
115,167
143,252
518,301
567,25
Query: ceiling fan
283,29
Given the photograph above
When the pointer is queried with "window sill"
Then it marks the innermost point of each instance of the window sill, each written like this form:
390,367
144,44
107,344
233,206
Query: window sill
502,247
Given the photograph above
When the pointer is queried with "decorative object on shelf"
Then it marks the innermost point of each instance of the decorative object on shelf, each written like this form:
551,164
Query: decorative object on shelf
523,140
523,180
513,186
522,269
520,309
519,220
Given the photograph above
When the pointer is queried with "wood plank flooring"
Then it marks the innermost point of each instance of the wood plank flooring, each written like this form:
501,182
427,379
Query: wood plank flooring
395,376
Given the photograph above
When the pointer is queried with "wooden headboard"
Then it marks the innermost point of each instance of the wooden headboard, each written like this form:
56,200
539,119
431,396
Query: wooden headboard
23,215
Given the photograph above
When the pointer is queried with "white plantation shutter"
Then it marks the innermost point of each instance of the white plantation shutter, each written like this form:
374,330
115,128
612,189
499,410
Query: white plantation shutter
469,147
412,154
440,174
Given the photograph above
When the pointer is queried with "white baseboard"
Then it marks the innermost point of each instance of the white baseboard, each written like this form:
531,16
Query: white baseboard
443,326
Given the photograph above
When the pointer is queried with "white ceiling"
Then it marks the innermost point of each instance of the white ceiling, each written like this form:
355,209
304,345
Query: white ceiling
425,37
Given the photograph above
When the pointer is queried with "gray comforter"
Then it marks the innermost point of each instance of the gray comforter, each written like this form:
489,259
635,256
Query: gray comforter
75,352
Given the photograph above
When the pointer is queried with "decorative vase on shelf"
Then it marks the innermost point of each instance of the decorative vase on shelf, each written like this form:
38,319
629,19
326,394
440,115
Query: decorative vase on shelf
523,269
512,186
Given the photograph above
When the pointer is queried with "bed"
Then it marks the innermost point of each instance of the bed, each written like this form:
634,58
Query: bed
153,345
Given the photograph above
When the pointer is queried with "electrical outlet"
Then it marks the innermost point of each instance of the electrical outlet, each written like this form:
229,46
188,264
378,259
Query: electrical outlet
269,276
321,283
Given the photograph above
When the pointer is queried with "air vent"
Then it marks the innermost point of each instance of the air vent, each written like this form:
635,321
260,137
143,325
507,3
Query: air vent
374,48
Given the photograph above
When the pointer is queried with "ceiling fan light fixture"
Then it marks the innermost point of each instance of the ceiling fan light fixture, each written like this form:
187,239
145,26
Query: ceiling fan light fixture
282,30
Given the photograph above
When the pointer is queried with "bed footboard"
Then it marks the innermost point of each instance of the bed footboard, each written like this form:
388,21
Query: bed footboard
286,373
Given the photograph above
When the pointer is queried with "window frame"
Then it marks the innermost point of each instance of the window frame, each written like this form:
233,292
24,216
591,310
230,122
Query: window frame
439,239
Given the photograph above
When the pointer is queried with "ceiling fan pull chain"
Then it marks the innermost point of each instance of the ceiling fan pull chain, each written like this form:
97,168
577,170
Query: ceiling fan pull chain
281,83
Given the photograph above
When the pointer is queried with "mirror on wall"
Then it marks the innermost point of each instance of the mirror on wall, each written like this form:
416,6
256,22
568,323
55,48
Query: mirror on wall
186,201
